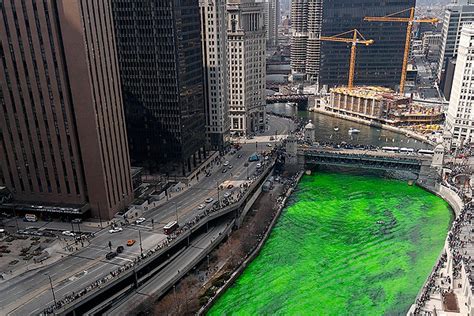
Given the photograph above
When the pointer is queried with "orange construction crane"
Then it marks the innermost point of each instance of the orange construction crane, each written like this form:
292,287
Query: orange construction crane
356,38
410,20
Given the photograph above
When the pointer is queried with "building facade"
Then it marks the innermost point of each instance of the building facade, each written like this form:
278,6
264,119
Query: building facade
247,66
63,144
377,64
214,52
460,116
456,15
431,43
160,57
271,9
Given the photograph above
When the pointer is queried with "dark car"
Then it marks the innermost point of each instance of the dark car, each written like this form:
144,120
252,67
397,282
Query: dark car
120,249
110,255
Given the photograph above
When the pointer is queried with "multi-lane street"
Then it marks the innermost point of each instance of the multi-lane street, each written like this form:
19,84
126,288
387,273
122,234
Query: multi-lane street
30,292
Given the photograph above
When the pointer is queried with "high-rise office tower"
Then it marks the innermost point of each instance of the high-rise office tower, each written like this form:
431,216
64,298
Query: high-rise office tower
160,57
246,55
306,21
214,52
271,9
456,15
377,64
63,144
460,117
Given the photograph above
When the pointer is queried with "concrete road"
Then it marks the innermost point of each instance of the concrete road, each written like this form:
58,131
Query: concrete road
165,276
31,291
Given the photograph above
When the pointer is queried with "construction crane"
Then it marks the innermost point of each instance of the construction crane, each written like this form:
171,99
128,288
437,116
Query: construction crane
356,38
410,20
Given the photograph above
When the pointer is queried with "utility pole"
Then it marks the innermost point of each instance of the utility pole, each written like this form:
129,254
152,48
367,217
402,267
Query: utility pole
140,237
52,290
100,218
176,211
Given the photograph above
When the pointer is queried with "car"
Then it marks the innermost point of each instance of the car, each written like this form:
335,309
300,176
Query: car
208,174
230,186
224,170
259,165
76,221
230,167
110,255
140,220
227,194
201,206
120,249
115,230
239,156
269,145
246,164
209,200
226,163
68,233
131,242
272,138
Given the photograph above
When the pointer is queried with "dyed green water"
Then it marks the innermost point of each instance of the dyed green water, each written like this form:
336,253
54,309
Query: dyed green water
328,256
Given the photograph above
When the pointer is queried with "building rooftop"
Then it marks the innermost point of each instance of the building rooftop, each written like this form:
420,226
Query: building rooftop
370,92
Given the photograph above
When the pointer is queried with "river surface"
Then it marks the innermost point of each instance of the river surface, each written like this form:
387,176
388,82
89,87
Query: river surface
368,135
347,244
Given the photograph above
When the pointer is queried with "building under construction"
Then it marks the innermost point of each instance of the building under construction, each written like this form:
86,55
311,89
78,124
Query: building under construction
381,105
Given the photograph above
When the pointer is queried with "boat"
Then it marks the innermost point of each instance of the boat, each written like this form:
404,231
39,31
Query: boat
380,222
336,128
353,130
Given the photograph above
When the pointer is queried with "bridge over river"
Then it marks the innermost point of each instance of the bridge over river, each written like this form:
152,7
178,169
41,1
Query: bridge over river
368,159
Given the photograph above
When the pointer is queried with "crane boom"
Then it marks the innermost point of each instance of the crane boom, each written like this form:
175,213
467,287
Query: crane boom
357,38
410,20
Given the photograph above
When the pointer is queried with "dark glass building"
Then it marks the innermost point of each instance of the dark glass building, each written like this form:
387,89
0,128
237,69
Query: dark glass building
159,52
377,64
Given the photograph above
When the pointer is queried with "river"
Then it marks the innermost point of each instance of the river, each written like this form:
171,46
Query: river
347,244
368,135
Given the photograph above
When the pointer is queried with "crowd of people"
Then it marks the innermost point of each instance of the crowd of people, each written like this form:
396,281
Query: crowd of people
244,189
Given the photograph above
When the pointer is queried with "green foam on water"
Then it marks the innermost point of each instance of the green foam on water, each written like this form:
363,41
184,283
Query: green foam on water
346,245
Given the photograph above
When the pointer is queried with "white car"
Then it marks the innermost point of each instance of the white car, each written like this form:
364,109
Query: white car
226,163
201,206
115,230
140,220
68,233
259,165
227,194
269,145
209,200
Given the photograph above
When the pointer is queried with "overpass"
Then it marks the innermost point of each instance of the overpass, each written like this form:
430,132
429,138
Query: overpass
356,158
96,300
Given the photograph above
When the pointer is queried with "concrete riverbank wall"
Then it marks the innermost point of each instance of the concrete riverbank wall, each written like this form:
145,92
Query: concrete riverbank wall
252,255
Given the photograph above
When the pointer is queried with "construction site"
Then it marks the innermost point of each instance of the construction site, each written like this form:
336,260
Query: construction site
381,105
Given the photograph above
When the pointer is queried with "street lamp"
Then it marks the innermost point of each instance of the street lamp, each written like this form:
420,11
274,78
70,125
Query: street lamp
218,193
140,238
176,211
52,290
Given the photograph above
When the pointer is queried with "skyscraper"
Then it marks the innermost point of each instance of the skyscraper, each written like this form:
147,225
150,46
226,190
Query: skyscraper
214,52
456,15
63,145
271,13
160,57
460,116
246,54
306,22
377,64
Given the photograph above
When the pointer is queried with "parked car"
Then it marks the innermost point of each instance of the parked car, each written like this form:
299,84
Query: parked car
230,167
110,255
131,242
272,138
224,170
226,163
140,220
230,186
115,230
68,233
120,249
201,206
227,194
269,145
209,200
239,156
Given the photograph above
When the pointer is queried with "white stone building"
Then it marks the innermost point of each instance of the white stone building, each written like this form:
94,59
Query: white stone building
214,52
246,61
460,116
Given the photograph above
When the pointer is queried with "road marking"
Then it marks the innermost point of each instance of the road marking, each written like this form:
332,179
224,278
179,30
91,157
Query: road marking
126,259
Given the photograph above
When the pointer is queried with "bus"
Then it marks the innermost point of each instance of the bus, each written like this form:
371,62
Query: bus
170,227
391,149
426,152
407,150
31,218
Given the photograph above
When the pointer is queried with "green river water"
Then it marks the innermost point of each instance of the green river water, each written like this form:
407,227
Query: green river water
345,245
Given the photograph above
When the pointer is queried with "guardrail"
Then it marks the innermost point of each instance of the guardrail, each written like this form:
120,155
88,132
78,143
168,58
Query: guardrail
155,254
